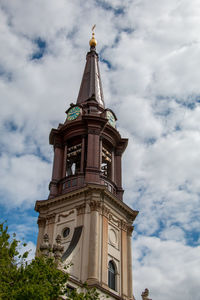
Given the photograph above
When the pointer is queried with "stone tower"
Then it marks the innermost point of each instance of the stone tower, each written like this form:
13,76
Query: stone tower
85,209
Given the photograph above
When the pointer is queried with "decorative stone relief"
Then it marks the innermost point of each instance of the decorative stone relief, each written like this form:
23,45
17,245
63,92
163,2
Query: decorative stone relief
95,205
124,225
45,246
41,222
57,248
113,237
130,229
145,295
51,218
105,211
80,209
65,216
114,220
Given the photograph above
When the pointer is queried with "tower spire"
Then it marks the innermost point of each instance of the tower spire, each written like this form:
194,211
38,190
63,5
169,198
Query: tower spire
91,86
85,216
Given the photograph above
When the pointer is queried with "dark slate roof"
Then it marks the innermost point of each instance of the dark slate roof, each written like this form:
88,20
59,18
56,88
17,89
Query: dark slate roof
91,82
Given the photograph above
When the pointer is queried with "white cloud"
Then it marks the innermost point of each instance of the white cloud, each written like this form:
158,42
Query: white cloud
168,269
23,180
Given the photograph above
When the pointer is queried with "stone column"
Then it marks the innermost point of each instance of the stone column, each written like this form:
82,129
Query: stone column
82,154
118,169
100,153
93,263
65,162
104,253
129,261
84,241
41,227
80,214
50,227
124,279
118,173
93,156
57,169
113,167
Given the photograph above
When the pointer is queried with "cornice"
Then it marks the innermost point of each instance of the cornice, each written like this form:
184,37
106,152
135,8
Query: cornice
131,214
88,189
59,199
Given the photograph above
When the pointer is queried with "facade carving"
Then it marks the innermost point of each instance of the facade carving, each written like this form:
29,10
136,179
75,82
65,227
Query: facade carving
113,237
95,205
65,215
105,211
145,295
114,220
57,248
45,247
80,209
130,229
41,222
124,225
51,218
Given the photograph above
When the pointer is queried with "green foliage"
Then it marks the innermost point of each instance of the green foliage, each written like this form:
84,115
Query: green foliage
39,280
89,294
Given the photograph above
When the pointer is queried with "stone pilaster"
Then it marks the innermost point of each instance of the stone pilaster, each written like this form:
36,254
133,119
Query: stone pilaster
129,260
57,169
41,228
80,214
104,251
50,226
124,279
94,251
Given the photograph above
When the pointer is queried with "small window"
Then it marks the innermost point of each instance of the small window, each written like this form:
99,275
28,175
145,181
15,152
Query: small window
66,232
111,275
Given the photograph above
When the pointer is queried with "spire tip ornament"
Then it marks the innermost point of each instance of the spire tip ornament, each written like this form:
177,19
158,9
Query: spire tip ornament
93,41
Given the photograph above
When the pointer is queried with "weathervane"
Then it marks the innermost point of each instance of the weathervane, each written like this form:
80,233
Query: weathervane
93,41
93,28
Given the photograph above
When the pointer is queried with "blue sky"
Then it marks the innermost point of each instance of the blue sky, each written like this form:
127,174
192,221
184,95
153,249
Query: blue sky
149,57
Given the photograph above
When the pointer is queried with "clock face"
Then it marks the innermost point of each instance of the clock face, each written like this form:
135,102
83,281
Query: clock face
73,113
111,118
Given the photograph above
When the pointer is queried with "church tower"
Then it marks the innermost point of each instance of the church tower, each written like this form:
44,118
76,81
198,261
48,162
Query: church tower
85,216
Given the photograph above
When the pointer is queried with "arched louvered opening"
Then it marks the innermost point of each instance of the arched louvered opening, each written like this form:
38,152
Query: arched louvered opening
106,162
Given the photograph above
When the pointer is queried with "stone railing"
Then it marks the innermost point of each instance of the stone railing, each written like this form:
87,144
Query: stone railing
109,184
72,182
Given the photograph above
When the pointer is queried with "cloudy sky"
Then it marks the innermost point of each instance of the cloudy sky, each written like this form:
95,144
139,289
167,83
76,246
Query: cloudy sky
150,68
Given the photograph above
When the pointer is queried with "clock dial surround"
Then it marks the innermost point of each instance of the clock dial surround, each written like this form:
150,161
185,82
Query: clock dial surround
73,113
111,118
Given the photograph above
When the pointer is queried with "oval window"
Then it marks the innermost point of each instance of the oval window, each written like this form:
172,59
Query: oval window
66,232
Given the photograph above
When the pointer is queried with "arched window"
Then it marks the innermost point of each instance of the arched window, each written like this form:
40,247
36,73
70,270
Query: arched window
111,275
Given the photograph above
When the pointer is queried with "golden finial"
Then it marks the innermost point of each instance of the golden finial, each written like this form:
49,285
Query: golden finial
93,41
